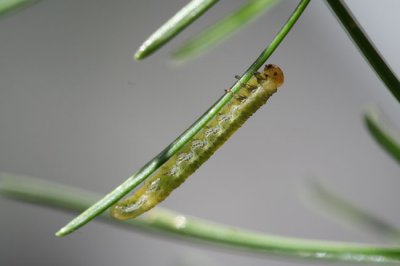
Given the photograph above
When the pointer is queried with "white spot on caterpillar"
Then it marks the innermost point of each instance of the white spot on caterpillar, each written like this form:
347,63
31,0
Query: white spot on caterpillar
225,118
198,144
184,157
173,171
155,185
136,205
211,131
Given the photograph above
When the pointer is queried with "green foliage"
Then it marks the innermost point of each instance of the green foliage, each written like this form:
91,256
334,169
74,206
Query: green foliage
67,198
222,29
182,226
7,6
148,169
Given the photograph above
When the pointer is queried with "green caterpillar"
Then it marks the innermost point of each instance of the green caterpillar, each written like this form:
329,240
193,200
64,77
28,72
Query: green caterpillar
174,172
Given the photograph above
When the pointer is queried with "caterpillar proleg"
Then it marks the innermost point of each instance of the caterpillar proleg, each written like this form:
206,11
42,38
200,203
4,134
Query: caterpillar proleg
174,172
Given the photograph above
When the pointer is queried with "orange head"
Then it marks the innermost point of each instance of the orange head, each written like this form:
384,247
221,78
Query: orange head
274,72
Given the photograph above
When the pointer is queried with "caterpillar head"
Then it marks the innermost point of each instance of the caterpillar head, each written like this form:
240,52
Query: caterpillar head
274,72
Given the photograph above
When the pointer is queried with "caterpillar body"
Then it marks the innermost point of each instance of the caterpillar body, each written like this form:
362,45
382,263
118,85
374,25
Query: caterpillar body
174,172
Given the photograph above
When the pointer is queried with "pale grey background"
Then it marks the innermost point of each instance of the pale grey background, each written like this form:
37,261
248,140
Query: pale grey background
76,109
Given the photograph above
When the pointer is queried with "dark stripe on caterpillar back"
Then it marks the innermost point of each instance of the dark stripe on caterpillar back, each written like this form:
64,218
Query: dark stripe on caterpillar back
174,172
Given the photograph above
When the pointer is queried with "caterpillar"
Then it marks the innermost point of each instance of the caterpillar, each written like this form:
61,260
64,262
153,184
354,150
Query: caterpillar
174,172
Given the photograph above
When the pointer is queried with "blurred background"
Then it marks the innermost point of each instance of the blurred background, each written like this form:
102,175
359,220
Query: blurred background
76,109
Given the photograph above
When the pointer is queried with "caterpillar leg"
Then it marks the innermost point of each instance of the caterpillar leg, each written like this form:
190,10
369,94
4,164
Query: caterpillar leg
260,77
249,87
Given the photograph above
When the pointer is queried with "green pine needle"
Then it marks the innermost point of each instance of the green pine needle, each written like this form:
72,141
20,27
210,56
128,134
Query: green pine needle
344,211
173,26
382,132
366,47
